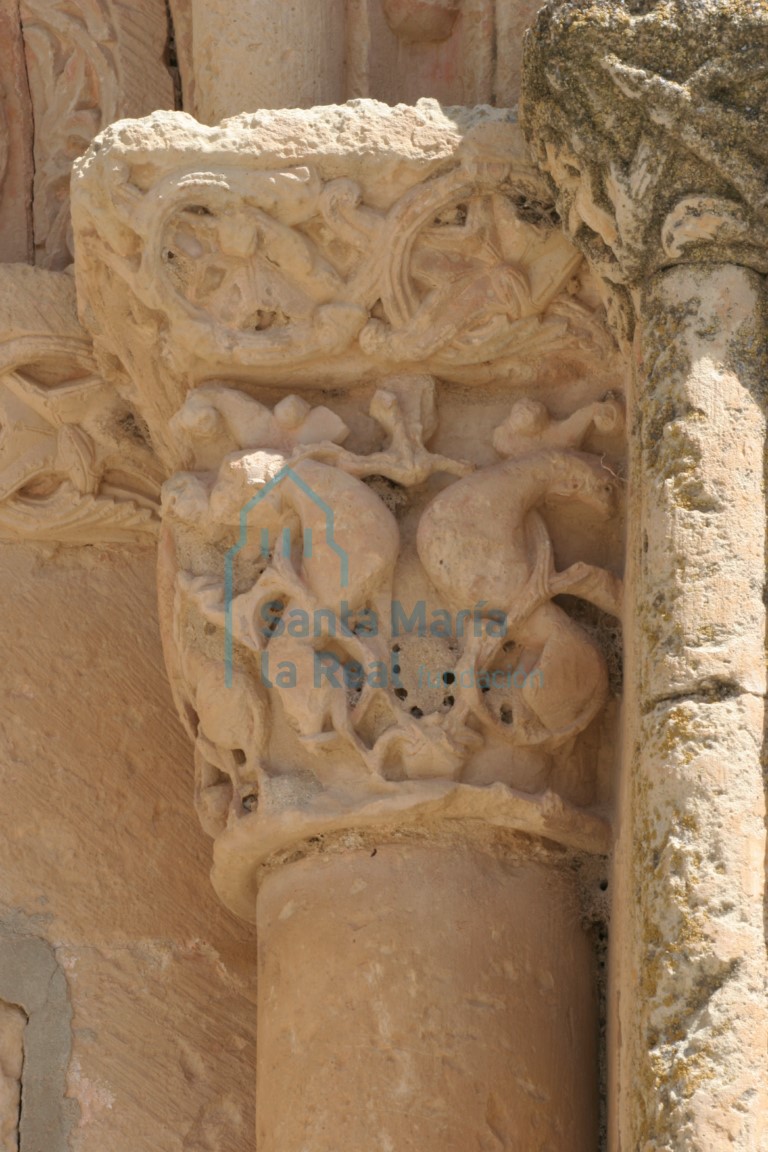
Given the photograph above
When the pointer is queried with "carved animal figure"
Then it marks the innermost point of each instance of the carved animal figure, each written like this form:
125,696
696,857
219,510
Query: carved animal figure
231,742
338,537
215,421
481,539
333,542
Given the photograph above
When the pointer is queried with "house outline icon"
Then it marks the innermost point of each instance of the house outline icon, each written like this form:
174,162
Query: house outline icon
285,473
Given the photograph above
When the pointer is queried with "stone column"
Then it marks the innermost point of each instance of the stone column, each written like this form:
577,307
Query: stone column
236,58
419,995
694,840
670,214
264,55
395,724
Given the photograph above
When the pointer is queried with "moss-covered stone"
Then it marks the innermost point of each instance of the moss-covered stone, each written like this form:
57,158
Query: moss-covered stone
647,105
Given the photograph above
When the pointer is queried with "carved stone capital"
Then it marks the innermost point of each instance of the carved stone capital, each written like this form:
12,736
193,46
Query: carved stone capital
358,599
367,640
650,121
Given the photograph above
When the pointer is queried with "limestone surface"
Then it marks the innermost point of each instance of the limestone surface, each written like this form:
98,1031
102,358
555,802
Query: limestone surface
389,415
104,865
363,264
658,159
16,142
355,435
320,248
237,58
74,466
417,1001
86,65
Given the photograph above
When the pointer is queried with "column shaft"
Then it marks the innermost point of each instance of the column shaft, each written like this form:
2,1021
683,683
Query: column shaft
266,54
425,997
690,1010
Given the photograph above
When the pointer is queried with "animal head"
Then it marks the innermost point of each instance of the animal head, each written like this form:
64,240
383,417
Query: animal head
247,483
577,476
522,428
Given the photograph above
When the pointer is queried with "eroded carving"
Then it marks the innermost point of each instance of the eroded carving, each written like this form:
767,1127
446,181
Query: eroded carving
467,277
88,64
507,560
636,149
329,673
279,269
72,102
283,597
74,466
16,131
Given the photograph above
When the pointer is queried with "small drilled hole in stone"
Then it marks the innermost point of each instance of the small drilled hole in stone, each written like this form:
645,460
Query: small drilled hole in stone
417,712
401,693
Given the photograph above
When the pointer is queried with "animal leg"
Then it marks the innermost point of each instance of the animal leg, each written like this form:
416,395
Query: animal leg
597,585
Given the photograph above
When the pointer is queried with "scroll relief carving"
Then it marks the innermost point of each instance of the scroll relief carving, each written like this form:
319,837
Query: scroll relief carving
634,147
224,261
88,64
381,624
72,102
74,466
